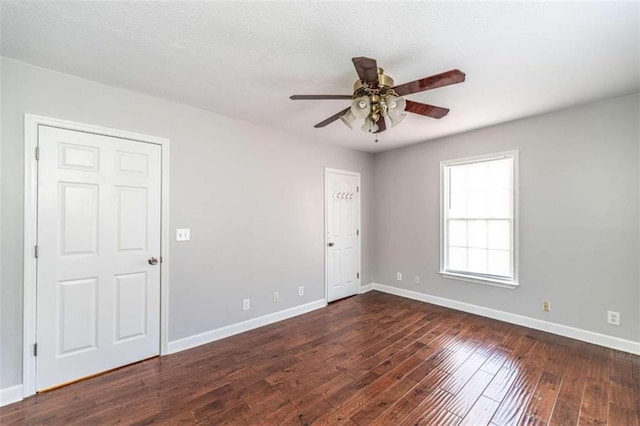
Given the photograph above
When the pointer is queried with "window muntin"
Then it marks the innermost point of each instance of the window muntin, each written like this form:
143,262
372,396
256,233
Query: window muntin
479,214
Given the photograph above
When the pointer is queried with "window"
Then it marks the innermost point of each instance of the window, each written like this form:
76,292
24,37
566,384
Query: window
478,228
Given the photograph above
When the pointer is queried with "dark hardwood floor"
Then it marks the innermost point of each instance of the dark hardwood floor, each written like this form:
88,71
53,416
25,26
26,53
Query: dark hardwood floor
370,359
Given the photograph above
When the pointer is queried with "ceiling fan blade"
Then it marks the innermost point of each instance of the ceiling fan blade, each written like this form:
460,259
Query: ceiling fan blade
382,125
425,109
433,82
332,118
367,70
306,97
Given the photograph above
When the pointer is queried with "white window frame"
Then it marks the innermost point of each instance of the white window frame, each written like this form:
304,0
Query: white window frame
444,200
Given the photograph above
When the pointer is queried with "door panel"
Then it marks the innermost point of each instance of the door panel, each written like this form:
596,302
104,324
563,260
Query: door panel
342,200
131,306
131,230
77,315
98,298
78,218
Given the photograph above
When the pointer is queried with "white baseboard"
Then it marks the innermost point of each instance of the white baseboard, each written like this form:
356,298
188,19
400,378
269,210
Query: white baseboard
550,327
241,327
10,395
366,288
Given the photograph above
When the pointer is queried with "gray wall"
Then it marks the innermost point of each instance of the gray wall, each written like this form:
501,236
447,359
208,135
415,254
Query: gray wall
579,218
252,196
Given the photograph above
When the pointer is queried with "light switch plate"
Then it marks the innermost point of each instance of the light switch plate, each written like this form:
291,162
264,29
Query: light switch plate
183,234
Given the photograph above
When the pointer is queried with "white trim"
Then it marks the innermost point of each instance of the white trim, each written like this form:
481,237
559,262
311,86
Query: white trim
515,222
241,327
366,288
10,395
328,170
31,123
473,279
550,327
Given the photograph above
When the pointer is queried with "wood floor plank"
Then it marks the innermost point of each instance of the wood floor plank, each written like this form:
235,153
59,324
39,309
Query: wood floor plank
409,402
497,359
567,408
466,397
517,397
595,403
541,403
370,359
501,383
481,412
465,372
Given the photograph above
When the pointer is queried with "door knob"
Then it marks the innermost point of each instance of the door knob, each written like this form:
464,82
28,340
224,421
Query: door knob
330,244
153,261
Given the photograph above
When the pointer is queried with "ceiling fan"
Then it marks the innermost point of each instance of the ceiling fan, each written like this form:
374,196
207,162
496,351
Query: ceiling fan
375,97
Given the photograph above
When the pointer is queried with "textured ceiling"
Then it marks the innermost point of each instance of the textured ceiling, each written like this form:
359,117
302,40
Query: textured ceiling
243,59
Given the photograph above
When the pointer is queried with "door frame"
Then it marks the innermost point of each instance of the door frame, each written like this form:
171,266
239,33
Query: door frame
30,238
328,170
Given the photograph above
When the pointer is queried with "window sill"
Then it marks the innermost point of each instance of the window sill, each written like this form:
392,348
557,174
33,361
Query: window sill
473,279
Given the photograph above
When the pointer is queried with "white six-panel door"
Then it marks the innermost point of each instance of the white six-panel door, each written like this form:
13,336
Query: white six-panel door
98,293
342,192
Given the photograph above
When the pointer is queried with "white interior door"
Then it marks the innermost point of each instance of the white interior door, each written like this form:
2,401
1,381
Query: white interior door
342,201
98,289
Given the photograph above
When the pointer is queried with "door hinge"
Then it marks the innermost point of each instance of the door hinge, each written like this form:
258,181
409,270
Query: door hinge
37,153
358,275
357,232
35,349
357,189
35,251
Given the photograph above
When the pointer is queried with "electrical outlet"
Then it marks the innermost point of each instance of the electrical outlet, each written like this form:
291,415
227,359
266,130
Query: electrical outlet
417,280
183,234
301,291
399,276
613,317
276,296
246,304
546,306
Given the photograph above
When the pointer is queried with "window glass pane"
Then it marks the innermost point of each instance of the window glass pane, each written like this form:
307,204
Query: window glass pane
477,261
458,205
458,178
458,259
477,176
499,263
458,233
499,174
478,215
499,204
477,204
499,233
478,233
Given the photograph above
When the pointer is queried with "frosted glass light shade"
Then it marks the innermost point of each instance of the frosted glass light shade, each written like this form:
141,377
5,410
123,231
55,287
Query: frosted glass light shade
395,107
369,126
348,118
397,119
361,107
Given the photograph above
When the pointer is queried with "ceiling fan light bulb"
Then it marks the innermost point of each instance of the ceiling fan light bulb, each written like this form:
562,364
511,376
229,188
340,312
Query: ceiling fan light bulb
348,118
361,107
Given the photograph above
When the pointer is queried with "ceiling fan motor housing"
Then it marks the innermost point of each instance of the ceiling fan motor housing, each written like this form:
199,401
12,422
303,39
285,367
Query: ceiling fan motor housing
377,94
384,82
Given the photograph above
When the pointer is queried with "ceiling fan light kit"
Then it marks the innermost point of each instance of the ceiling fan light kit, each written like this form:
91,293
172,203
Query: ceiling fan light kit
376,98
